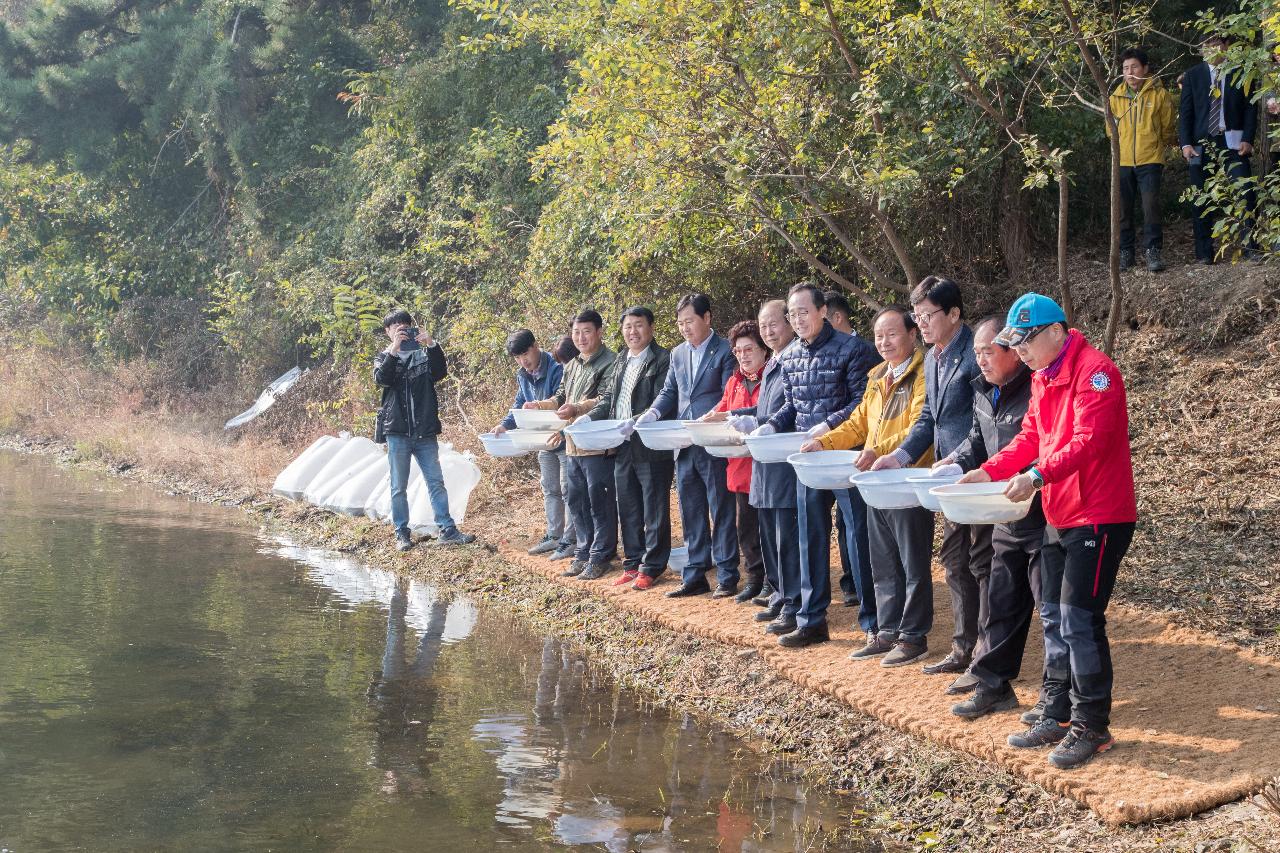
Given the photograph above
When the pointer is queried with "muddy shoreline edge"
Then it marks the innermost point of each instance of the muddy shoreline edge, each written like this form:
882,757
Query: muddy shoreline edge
914,793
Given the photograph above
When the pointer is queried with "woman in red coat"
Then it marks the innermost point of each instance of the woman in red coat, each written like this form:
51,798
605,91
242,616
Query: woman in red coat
740,395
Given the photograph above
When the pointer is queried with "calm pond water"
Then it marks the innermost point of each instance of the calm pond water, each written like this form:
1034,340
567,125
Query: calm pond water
171,679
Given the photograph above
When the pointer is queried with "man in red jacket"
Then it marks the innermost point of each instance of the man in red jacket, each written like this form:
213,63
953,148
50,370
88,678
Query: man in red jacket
1074,448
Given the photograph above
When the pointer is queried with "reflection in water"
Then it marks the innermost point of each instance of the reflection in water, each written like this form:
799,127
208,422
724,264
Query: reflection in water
169,681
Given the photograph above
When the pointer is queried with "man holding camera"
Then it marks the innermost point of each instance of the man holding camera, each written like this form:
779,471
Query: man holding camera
409,422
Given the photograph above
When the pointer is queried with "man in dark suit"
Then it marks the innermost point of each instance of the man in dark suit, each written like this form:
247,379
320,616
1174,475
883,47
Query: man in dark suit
1216,116
642,476
950,367
700,368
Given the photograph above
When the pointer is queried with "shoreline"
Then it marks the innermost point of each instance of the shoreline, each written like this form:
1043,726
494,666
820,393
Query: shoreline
914,792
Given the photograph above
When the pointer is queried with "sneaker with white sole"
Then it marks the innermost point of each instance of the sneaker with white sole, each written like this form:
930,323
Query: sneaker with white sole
546,546
1046,732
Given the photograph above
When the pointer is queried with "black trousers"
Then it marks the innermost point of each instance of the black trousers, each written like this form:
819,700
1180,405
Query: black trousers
780,542
749,539
644,509
966,555
1144,182
1237,167
1013,591
593,507
1078,568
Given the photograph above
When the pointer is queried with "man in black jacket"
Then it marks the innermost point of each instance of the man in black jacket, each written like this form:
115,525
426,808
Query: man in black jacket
409,422
1003,392
642,476
1216,116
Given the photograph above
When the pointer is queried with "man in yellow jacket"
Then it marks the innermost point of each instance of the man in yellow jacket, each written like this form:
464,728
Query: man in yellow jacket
901,539
1146,118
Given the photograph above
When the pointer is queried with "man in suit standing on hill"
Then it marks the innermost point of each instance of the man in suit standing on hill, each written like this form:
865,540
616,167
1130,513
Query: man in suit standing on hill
1216,116
700,368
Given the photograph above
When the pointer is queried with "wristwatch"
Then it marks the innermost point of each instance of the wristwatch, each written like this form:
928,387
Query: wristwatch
1037,479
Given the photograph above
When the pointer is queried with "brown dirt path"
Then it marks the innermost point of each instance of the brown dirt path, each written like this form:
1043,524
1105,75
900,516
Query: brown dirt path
1195,721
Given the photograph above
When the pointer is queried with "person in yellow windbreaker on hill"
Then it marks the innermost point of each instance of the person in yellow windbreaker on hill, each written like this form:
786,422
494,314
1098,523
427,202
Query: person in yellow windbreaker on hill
1146,117
901,539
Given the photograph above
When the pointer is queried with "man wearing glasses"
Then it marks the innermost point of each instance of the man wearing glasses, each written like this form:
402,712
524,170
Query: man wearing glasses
950,369
1075,438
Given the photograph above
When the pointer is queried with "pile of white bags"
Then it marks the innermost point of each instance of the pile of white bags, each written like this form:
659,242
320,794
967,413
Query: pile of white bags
349,475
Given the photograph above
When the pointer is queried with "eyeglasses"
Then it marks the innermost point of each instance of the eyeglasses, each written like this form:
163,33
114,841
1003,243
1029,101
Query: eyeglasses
746,350
799,314
919,317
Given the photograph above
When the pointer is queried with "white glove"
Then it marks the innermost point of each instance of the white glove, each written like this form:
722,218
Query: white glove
627,427
581,419
647,417
946,469
743,423
818,430
764,429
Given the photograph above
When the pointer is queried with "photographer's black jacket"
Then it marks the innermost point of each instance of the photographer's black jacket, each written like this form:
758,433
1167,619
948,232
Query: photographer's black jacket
409,404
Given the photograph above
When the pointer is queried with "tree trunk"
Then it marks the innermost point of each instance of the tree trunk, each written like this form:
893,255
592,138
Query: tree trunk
1064,281
1015,227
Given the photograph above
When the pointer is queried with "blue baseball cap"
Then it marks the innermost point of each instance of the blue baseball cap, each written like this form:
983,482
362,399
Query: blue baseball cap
1031,312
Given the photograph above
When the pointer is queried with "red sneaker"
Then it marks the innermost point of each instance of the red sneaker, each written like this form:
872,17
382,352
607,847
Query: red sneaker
627,577
643,582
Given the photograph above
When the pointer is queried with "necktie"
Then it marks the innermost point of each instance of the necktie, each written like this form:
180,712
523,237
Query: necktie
1215,105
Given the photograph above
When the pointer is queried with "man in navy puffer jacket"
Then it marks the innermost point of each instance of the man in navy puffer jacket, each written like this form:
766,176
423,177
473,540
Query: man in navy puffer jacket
824,375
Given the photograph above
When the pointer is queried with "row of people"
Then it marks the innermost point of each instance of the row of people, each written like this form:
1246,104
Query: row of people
1025,399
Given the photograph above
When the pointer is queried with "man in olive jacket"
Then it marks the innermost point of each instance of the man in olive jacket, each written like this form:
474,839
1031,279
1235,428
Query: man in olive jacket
641,476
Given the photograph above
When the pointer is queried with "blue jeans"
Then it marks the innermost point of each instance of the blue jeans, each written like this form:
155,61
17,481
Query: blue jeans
400,449
703,490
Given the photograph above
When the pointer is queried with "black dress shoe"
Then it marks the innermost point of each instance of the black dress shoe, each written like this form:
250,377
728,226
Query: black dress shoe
952,663
962,685
685,590
808,636
770,613
781,625
849,601
762,600
725,590
750,591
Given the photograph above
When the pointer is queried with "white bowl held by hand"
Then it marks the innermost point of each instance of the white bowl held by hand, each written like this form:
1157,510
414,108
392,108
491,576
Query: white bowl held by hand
532,439
980,503
825,469
728,451
538,419
887,489
776,447
596,435
501,445
713,433
664,435
924,482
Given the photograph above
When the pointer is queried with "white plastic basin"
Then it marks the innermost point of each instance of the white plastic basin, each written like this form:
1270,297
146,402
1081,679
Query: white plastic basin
887,489
596,435
713,434
728,451
501,446
679,559
532,439
825,469
776,447
542,419
664,435
980,503
923,483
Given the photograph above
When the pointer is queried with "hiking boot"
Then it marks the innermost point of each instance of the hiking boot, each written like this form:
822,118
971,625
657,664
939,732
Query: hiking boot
762,600
781,626
545,546
628,576
456,537
952,663
1079,746
595,571
807,636
1154,264
1126,260
750,591
876,645
986,701
563,552
966,682
1046,731
770,613
403,541
643,582
576,568
725,590
1032,716
904,653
